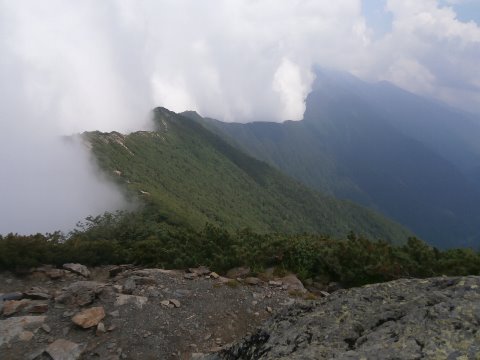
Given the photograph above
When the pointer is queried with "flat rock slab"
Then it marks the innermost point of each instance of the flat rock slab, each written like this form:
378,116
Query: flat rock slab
13,327
434,318
62,349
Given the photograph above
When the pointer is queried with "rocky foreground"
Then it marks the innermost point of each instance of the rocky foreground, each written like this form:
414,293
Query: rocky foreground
436,318
124,312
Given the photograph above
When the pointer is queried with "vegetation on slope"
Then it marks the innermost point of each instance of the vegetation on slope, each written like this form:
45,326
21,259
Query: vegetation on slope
144,238
192,176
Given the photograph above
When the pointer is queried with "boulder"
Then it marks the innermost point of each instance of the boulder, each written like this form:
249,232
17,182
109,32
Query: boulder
238,272
293,284
62,349
77,269
80,293
11,328
37,293
89,317
214,275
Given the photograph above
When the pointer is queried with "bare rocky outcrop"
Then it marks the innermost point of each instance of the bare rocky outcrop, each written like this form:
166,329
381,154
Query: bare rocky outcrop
405,319
167,316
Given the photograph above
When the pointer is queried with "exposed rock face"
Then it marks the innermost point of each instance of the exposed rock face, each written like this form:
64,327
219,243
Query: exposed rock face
403,319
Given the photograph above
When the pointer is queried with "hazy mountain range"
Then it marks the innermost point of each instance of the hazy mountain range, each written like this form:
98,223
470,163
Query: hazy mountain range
415,160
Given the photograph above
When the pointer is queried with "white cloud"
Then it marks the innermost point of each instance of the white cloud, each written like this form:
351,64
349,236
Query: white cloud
430,52
69,66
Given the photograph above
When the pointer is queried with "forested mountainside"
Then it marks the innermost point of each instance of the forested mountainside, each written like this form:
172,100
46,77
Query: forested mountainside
192,176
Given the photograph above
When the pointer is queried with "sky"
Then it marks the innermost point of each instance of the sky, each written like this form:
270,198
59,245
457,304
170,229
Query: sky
69,66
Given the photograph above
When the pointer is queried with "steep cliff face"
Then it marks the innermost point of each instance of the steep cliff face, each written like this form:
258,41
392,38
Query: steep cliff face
435,318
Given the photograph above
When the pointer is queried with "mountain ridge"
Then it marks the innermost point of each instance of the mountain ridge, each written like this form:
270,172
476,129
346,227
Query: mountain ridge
195,176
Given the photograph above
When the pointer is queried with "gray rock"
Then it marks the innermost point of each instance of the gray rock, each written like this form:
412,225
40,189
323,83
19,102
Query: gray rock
175,303
293,284
403,319
11,296
46,328
37,293
80,293
129,286
62,349
77,269
13,327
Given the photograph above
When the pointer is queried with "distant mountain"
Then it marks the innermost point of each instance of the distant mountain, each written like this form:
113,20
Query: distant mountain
415,160
193,176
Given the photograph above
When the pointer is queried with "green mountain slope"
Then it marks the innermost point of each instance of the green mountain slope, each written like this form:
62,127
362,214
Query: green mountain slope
193,176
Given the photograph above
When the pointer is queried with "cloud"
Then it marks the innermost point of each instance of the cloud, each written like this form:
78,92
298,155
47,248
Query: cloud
430,52
69,66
